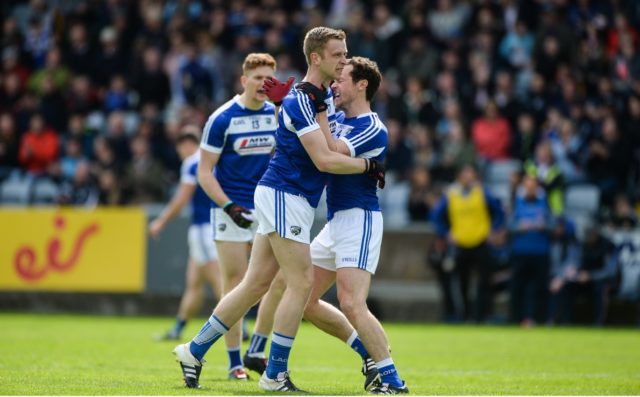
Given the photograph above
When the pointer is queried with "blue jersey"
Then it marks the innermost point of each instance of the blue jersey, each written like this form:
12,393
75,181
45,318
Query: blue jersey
244,138
366,137
291,169
200,202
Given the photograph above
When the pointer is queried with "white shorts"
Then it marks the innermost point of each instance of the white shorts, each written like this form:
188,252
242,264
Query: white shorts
289,215
201,246
351,239
225,229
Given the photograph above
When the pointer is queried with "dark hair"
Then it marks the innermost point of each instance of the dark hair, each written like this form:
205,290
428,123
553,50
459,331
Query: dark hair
189,133
366,69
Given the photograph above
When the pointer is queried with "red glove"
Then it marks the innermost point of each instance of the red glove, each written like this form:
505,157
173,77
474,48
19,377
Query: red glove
276,90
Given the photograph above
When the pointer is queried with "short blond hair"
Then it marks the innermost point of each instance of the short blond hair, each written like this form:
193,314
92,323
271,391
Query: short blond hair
257,59
317,38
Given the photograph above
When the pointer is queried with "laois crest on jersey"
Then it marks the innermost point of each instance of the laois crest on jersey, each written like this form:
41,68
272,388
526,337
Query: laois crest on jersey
366,137
200,202
291,169
245,139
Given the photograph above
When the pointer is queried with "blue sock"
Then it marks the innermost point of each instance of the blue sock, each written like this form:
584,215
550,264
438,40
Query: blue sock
235,361
178,326
356,344
210,332
278,355
257,345
388,372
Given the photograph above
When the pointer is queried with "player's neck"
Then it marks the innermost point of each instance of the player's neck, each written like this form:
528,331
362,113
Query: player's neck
357,108
316,78
250,103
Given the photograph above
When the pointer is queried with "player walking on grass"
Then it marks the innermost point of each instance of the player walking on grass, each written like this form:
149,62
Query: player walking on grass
238,140
202,265
347,249
285,200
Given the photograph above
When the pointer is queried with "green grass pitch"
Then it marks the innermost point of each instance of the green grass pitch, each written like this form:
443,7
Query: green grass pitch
85,355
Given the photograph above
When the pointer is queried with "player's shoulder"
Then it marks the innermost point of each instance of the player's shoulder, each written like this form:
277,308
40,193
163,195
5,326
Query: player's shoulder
225,112
190,163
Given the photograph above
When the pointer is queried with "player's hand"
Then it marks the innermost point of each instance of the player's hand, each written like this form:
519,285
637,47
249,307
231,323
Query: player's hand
155,228
240,215
316,95
276,90
376,171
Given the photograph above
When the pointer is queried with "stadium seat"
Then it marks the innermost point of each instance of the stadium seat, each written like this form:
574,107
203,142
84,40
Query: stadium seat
501,171
582,199
45,191
15,191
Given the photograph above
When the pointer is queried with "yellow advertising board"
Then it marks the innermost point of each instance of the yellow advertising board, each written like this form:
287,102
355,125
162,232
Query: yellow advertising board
67,249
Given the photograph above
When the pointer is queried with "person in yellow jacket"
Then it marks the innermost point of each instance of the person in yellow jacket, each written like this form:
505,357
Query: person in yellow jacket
466,218
545,169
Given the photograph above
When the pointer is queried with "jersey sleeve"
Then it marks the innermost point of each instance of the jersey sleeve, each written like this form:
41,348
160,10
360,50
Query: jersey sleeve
214,133
369,141
299,114
188,173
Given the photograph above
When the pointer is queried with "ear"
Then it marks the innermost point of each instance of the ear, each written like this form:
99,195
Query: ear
315,58
362,85
243,81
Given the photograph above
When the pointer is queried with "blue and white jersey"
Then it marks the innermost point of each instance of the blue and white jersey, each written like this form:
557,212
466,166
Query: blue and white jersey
244,138
200,202
366,137
291,169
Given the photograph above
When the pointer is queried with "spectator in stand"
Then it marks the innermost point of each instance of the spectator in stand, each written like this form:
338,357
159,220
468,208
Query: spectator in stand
150,81
399,157
52,104
111,59
530,253
39,147
9,145
568,151
466,218
455,151
52,68
80,190
565,259
79,52
81,96
71,159
492,134
448,20
517,46
116,133
109,188
117,96
525,138
421,198
593,277
546,171
144,177
608,161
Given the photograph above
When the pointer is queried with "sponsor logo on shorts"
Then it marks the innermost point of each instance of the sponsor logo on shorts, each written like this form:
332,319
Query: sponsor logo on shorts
222,227
350,260
295,230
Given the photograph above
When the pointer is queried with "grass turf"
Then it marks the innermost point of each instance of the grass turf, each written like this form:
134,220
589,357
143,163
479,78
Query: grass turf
85,355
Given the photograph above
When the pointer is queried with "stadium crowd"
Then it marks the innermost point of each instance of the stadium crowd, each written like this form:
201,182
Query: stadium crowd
93,94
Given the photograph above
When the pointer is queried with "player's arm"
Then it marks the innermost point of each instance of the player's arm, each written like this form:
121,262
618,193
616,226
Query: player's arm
208,160
325,160
208,181
178,201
